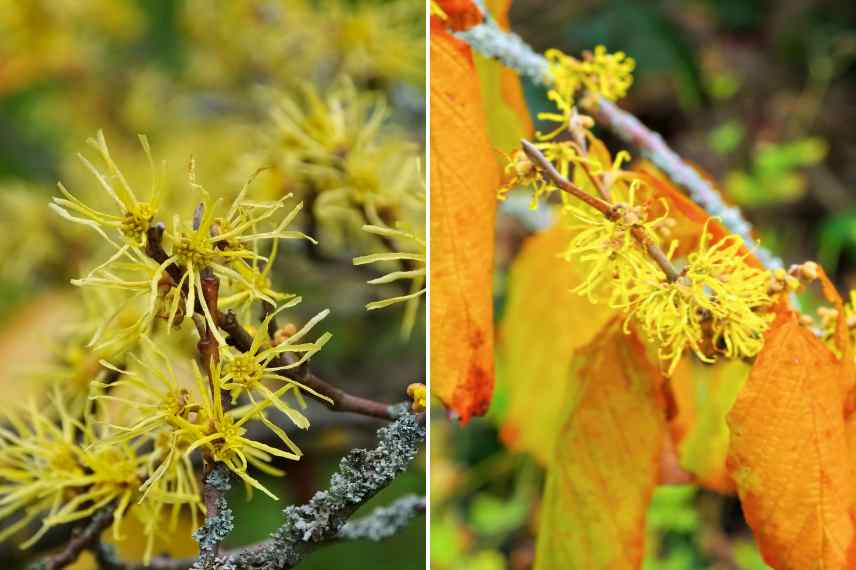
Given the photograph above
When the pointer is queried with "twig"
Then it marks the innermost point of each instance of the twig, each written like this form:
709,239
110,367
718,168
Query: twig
87,537
702,192
598,183
602,206
218,516
242,340
361,475
342,401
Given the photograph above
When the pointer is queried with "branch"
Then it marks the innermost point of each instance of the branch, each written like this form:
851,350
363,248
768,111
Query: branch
602,206
218,516
361,475
242,340
342,401
491,41
87,537
384,522
652,146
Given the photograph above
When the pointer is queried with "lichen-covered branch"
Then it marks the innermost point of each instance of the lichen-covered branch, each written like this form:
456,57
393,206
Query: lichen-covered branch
218,516
361,475
384,522
491,41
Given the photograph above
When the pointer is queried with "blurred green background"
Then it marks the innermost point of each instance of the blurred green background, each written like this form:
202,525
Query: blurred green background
761,96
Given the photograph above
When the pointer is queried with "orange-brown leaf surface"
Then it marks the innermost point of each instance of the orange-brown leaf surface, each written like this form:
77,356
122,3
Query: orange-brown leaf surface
789,455
607,458
464,180
542,326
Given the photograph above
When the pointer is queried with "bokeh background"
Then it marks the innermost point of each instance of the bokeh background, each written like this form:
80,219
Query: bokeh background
200,79
761,96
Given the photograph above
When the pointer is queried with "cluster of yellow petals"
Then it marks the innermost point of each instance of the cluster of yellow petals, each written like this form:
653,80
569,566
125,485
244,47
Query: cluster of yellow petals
718,302
716,306
600,73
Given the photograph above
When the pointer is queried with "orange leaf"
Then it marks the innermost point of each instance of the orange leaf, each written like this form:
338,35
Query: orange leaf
789,455
543,324
607,458
464,180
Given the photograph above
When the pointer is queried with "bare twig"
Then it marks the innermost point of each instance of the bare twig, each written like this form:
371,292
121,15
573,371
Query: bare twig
598,183
600,205
87,537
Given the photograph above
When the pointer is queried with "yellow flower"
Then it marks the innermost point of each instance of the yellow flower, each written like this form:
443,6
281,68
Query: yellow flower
130,293
732,293
418,395
379,43
339,150
61,469
608,248
520,171
718,297
412,258
220,243
599,73
221,434
244,373
133,217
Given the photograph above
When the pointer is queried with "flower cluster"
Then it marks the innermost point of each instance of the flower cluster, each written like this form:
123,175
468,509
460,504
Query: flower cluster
570,144
714,302
130,411
338,152
600,73
59,467
718,305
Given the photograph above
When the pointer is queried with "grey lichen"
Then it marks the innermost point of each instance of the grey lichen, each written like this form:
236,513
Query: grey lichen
219,521
361,474
384,522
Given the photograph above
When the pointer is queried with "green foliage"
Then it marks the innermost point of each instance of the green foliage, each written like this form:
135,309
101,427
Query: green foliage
775,175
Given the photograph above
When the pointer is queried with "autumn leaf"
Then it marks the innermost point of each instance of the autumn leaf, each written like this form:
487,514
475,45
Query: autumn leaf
789,454
607,458
458,15
464,180
543,324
